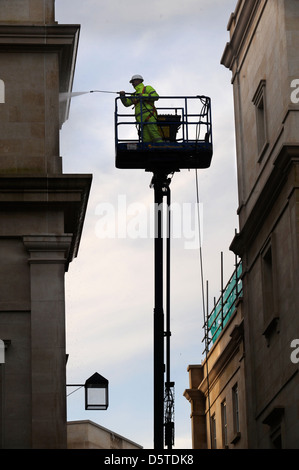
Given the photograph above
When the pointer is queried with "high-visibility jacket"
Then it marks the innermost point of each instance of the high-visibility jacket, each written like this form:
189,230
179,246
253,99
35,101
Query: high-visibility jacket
148,106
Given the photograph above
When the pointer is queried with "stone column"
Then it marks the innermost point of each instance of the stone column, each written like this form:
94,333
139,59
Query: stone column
47,258
197,401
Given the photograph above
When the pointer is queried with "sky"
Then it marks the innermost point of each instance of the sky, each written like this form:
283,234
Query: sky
177,48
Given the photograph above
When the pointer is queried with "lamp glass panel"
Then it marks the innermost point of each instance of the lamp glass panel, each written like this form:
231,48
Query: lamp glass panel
96,396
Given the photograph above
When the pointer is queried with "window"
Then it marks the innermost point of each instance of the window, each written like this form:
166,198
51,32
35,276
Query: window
213,432
236,409
224,424
275,438
275,421
259,100
267,273
269,282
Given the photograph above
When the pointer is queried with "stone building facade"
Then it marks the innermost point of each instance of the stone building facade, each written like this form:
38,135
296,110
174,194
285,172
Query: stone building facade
262,54
217,386
41,218
89,435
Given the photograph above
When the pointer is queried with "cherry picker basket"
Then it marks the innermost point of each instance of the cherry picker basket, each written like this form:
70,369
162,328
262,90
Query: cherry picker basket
186,135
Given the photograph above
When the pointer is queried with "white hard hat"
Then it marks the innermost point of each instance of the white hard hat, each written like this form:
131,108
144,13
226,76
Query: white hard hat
136,77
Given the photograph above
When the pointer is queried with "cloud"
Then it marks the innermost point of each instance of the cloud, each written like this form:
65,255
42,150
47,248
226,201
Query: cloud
177,46
119,18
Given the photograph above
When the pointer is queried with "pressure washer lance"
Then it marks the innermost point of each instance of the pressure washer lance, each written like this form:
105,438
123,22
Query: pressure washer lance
102,91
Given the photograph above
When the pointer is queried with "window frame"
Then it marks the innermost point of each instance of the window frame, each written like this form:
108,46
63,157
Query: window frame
213,431
224,424
260,103
269,288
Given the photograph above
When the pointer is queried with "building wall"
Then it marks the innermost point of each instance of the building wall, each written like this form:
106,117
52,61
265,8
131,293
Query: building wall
41,218
213,384
227,378
27,11
30,114
263,57
262,54
89,435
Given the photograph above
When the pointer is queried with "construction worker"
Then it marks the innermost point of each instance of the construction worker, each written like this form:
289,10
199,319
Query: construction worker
147,112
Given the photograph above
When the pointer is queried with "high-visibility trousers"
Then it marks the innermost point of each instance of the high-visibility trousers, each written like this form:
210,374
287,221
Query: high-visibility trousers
150,130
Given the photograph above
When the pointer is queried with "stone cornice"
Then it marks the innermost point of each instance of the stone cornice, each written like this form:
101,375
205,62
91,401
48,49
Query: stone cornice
243,19
67,193
192,394
39,36
48,248
287,157
20,184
